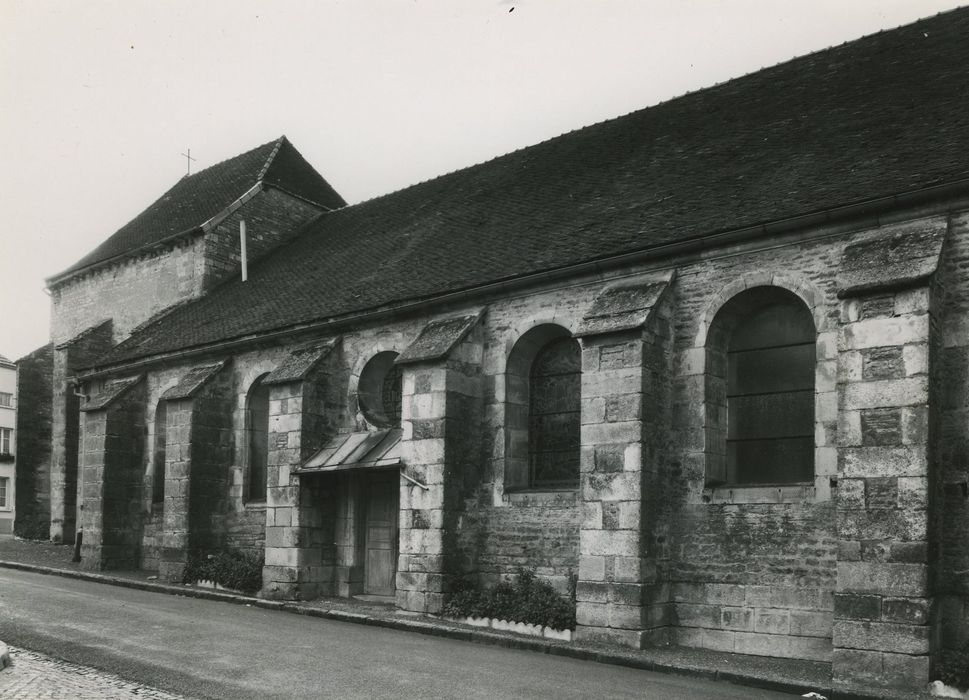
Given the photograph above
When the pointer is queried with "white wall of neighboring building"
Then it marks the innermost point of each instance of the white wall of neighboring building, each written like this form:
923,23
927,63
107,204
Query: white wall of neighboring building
8,443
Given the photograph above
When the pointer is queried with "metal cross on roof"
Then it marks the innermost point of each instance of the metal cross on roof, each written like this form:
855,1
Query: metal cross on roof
188,161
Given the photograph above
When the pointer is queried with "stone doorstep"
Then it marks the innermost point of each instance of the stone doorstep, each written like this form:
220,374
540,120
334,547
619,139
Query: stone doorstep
783,675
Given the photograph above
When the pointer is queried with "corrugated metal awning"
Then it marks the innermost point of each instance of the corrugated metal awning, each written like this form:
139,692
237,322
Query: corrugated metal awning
377,449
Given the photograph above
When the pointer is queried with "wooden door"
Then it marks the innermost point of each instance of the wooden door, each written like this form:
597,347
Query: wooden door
381,530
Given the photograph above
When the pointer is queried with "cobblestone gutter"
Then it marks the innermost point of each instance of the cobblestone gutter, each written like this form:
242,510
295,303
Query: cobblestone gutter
32,676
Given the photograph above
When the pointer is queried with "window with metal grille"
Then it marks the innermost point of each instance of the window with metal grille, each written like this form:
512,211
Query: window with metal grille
770,394
553,415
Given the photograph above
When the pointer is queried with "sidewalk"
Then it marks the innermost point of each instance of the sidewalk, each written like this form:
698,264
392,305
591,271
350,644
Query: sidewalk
786,675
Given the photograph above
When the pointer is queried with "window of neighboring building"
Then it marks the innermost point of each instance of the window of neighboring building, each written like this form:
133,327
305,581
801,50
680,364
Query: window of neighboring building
380,391
6,399
158,459
3,492
257,427
764,344
6,436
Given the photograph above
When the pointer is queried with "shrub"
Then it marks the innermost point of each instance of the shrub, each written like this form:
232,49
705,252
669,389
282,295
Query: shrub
953,668
241,571
527,599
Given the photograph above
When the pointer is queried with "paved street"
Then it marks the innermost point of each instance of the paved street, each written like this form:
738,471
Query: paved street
208,649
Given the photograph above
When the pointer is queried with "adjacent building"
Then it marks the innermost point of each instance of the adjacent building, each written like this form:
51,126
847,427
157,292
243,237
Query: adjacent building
8,444
710,359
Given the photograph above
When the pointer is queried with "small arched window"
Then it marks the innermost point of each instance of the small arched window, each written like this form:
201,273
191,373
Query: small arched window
257,429
554,391
159,455
769,337
380,391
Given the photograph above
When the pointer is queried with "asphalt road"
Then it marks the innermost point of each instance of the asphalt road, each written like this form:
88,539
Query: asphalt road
208,649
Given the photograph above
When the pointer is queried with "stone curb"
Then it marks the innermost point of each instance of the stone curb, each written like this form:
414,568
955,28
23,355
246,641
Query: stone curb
447,631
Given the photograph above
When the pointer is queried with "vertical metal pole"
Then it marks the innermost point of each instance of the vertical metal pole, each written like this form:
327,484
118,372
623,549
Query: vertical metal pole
242,247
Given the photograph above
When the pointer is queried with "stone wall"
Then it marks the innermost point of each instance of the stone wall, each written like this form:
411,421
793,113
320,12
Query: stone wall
835,568
755,578
951,435
751,569
35,373
882,631
113,444
65,426
534,531
272,217
133,291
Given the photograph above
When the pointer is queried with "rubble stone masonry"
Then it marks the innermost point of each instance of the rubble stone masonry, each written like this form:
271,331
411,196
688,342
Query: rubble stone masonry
861,564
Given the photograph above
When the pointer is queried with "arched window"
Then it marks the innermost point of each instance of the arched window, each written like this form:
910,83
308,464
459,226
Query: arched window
553,415
257,429
766,346
380,391
542,402
159,456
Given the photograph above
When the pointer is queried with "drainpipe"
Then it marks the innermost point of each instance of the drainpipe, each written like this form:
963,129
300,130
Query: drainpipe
242,247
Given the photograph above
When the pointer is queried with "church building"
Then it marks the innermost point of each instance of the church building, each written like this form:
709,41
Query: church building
709,360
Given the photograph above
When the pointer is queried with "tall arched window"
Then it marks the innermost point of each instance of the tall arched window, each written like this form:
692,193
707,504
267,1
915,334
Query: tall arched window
159,455
763,341
257,429
554,393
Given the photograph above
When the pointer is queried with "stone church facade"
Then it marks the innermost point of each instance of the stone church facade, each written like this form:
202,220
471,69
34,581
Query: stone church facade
710,359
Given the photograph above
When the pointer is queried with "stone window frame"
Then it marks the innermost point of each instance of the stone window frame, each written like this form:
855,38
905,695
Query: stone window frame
711,437
247,498
371,383
517,487
358,421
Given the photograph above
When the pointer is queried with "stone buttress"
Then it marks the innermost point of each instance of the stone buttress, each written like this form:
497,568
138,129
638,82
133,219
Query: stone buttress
883,626
622,595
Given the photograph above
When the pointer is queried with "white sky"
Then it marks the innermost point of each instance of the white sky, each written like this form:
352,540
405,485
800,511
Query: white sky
98,99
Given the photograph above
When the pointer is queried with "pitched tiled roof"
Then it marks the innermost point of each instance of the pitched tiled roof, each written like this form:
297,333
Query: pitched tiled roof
882,115
197,198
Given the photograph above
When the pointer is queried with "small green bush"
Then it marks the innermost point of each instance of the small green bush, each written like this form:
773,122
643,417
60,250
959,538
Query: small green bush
528,599
241,571
953,668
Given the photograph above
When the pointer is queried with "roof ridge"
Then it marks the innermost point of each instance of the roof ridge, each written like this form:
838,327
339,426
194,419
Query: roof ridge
271,158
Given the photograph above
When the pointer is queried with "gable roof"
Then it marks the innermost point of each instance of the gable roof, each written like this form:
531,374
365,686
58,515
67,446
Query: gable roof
195,199
883,115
